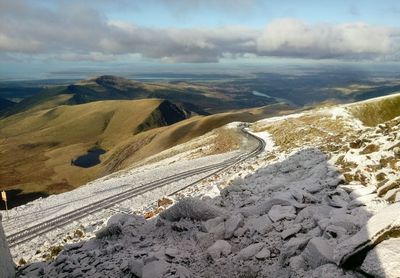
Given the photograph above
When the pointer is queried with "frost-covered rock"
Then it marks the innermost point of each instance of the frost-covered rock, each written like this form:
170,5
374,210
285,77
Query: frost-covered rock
191,208
384,259
231,224
260,224
382,224
263,254
318,252
7,267
293,246
264,207
155,269
219,248
250,251
279,212
112,230
291,231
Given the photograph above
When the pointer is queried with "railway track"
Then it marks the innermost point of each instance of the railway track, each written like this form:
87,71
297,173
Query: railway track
64,219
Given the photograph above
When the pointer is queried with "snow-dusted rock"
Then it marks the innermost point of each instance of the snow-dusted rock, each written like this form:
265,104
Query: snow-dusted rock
318,252
383,223
171,252
260,224
191,208
136,267
263,254
231,224
7,268
264,207
155,269
328,271
291,231
126,219
384,259
279,212
219,248
112,230
289,249
362,191
250,251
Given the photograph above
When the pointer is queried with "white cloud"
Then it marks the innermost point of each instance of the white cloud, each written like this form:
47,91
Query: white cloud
76,32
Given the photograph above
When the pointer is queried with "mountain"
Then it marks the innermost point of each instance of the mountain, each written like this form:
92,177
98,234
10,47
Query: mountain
197,98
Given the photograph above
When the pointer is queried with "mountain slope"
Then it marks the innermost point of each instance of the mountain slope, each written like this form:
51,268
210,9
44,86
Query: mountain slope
37,147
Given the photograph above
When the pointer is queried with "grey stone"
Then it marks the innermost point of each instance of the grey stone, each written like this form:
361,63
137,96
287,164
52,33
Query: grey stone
263,254
318,252
279,212
191,208
291,231
250,251
233,222
155,269
219,248
136,267
384,259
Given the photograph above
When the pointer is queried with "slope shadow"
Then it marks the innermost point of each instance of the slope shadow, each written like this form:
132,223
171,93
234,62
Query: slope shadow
16,198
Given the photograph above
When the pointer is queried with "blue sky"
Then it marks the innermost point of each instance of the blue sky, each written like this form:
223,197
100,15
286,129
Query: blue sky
39,37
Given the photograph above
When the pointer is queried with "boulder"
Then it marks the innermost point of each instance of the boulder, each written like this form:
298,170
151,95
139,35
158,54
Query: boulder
7,267
191,208
378,227
291,231
218,249
290,248
383,260
231,225
261,224
263,254
250,251
318,252
278,212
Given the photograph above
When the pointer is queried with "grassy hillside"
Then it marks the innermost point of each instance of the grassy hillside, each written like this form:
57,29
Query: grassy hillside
377,111
37,147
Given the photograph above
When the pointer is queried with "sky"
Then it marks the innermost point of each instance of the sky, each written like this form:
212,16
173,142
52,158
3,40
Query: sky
39,37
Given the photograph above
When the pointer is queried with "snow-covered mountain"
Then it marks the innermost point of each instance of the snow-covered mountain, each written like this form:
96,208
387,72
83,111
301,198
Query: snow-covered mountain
321,200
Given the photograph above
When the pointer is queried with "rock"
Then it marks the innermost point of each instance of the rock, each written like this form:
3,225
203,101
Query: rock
7,267
356,144
126,219
329,271
370,149
110,231
182,272
384,223
334,200
390,196
191,208
290,232
218,249
279,212
361,201
264,207
171,252
297,263
232,224
250,251
334,232
318,252
295,244
261,224
362,191
383,260
155,269
263,254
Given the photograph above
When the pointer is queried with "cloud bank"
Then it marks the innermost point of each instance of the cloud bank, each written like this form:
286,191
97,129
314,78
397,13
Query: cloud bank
75,32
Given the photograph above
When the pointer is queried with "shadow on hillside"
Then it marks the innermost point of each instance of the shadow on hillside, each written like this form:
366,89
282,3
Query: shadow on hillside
16,198
307,170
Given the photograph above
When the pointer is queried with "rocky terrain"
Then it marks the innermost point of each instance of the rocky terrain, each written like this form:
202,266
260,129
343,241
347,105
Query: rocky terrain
323,203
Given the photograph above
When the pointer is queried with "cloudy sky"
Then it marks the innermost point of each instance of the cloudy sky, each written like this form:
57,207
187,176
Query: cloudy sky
44,36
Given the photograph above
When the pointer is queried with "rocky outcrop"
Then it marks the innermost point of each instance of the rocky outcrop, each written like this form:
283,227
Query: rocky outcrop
7,267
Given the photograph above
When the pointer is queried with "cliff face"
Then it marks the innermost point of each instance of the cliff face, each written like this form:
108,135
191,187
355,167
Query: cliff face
7,268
